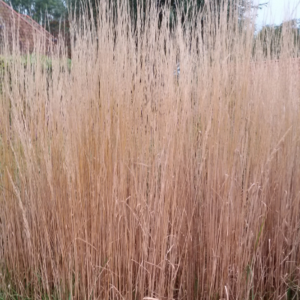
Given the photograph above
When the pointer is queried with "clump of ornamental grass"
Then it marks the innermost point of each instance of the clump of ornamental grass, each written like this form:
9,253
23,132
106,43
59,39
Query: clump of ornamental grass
120,180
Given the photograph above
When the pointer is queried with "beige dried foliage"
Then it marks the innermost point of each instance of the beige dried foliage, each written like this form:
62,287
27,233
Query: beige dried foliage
120,180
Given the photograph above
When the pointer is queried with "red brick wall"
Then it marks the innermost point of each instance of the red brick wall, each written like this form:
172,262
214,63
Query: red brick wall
21,28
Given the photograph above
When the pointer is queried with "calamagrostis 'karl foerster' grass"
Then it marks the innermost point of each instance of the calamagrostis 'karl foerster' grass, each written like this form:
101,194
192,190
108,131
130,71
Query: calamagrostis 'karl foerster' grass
120,180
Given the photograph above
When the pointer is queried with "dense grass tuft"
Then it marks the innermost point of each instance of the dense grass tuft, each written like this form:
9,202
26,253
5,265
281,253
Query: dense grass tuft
120,180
